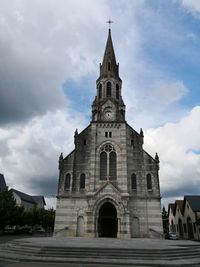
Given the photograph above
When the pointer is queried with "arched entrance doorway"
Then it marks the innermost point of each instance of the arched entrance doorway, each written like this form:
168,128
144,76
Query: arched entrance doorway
107,221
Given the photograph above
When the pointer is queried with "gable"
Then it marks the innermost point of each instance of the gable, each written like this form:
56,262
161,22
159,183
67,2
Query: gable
171,207
108,189
178,207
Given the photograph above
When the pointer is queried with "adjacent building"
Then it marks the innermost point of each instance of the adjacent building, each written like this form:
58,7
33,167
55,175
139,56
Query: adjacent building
184,217
108,185
23,199
171,218
28,201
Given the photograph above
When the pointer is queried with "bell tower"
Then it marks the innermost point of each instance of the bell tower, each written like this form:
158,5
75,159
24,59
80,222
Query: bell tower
108,104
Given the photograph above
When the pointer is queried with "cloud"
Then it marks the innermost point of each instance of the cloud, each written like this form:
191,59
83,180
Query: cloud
192,6
178,145
158,104
31,152
42,44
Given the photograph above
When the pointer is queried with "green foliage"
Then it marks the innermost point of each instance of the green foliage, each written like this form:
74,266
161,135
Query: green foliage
47,218
36,216
10,213
13,215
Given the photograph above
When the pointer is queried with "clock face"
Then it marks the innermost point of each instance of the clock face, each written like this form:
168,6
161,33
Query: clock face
108,115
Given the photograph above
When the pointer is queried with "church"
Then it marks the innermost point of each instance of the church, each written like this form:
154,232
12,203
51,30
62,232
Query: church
108,185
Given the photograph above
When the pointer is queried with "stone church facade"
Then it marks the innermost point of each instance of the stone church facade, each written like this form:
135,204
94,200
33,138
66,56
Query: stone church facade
108,185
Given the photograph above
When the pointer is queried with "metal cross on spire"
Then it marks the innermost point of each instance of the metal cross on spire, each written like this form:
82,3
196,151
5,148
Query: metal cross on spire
109,22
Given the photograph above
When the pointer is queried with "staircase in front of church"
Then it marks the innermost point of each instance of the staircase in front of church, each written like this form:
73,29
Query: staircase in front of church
21,250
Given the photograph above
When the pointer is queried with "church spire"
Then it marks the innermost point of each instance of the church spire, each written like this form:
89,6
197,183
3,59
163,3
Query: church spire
109,67
108,104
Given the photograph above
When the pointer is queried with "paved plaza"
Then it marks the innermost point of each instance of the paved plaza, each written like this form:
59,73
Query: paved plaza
134,243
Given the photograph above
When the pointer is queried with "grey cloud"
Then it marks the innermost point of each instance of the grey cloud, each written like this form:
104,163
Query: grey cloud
189,188
42,46
44,185
26,89
4,149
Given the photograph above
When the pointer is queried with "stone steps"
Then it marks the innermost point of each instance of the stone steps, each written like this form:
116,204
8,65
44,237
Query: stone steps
23,251
98,252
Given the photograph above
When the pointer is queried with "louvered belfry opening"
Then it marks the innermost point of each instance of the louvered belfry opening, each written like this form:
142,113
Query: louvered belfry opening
108,163
108,89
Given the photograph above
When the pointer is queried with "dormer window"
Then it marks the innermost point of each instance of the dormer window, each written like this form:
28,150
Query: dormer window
108,89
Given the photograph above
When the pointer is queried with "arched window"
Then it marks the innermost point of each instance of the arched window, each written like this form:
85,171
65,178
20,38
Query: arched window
112,165
100,91
67,181
133,181
108,163
117,91
108,89
82,181
103,165
149,182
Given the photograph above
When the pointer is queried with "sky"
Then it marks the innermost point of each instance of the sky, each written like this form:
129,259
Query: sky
50,52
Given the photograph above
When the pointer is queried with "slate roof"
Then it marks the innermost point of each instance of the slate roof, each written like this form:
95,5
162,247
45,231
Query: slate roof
38,199
2,183
28,198
179,203
194,202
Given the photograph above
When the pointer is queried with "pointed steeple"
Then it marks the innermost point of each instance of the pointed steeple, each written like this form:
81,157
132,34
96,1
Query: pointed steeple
108,104
109,67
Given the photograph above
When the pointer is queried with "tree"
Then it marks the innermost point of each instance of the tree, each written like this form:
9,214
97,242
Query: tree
165,219
13,215
37,216
48,218
8,209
